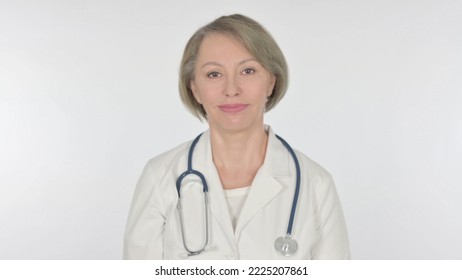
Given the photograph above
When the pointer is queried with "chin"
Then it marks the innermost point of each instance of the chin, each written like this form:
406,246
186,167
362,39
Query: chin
237,124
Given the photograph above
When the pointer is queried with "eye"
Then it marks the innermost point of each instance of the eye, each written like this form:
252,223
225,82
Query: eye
248,71
213,74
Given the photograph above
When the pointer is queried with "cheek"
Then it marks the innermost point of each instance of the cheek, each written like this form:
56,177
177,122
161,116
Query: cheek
208,93
195,92
261,89
203,93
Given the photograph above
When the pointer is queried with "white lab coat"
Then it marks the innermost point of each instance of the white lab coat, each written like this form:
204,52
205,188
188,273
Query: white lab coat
154,232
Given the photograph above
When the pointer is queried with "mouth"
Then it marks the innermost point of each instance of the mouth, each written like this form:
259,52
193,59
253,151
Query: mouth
232,108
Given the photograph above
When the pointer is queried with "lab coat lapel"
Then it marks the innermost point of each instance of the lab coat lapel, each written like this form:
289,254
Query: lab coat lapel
269,181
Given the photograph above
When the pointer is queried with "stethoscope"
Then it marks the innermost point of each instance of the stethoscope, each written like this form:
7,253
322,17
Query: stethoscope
285,245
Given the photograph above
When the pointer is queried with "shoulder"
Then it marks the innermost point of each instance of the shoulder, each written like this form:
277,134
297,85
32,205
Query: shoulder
159,175
280,152
319,182
169,161
311,168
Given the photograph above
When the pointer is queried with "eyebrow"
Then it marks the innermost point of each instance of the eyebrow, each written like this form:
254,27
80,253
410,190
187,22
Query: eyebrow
213,63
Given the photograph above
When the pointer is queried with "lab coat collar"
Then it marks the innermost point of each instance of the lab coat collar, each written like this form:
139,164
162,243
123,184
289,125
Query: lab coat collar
268,182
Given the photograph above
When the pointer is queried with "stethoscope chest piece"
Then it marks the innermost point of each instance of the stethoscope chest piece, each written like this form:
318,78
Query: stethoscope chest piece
286,245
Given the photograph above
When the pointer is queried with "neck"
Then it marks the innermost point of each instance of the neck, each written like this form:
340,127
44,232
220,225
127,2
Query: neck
238,155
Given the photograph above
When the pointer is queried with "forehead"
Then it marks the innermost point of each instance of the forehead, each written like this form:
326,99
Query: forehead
217,46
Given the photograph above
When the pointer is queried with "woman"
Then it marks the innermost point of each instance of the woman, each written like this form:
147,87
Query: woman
232,72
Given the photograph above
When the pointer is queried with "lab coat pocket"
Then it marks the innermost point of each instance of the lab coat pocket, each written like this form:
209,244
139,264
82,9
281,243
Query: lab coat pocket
173,245
169,234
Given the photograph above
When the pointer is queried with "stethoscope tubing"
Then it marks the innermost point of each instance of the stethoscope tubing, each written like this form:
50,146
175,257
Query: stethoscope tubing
205,190
191,171
297,185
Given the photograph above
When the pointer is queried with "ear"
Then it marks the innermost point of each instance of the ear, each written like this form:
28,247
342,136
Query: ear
272,84
192,86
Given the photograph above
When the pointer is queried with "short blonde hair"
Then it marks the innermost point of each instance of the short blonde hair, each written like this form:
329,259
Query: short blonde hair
254,38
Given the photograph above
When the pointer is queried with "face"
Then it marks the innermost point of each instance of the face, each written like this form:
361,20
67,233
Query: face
231,84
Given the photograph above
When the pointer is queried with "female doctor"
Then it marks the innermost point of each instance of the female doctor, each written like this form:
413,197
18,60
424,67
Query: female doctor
238,191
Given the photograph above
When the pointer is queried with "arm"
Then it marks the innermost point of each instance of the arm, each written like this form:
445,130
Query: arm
145,225
332,240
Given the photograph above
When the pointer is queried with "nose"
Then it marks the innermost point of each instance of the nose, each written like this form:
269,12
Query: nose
232,87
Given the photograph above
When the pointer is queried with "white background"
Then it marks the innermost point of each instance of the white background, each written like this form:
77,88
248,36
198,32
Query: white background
88,93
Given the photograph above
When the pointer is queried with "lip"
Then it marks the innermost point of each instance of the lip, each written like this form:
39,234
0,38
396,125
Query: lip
233,108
